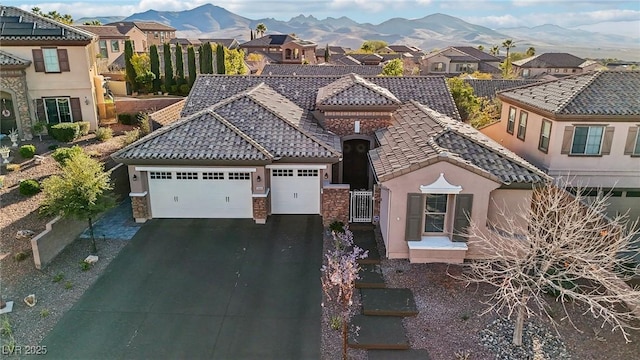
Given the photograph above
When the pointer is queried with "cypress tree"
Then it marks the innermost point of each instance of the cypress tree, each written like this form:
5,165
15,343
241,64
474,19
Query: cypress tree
327,54
168,68
209,58
251,34
130,72
220,59
191,64
200,58
155,67
179,65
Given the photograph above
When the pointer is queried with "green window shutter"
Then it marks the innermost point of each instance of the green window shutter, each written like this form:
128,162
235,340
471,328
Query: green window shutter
464,203
415,210
566,140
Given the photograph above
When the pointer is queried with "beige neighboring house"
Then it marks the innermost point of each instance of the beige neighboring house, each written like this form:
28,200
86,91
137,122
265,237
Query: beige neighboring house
111,43
553,65
583,127
282,49
456,60
48,72
155,33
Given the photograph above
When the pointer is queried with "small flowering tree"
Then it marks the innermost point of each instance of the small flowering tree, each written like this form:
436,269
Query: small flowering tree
339,277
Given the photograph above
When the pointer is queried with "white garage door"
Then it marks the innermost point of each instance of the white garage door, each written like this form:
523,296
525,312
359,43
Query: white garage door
200,194
295,191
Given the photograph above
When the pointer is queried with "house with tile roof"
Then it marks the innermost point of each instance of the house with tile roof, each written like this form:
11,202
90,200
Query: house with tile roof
553,65
583,128
156,33
111,43
47,72
321,70
388,150
456,60
283,49
488,88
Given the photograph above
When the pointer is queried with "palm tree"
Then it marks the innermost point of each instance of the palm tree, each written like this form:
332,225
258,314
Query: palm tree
261,29
480,47
531,51
495,50
508,44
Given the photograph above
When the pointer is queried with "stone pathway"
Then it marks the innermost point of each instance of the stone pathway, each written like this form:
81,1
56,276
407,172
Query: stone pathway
379,328
115,224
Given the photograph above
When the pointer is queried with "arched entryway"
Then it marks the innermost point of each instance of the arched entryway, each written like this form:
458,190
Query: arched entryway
8,117
355,163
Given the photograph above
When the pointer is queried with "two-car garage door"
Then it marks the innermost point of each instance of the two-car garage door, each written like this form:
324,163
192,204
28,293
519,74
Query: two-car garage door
200,194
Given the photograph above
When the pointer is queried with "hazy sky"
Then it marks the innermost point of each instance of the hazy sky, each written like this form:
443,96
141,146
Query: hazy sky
613,16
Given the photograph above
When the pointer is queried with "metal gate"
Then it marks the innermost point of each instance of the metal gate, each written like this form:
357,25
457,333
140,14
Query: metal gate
361,209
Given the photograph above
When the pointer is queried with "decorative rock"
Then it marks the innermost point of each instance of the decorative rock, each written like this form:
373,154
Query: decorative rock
91,259
39,159
8,308
31,300
24,234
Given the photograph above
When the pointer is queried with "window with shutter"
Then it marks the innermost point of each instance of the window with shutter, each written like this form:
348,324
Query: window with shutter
415,209
63,59
38,60
632,144
462,216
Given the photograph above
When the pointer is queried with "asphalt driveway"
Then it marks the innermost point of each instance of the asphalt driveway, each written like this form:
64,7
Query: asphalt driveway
214,289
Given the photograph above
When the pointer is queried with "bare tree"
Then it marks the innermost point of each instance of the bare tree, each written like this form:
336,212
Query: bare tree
559,249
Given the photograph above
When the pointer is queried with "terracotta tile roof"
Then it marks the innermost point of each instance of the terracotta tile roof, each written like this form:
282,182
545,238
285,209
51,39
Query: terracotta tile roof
462,58
18,24
421,136
103,31
480,55
355,91
488,68
593,93
7,59
144,25
254,125
555,60
302,90
320,70
489,88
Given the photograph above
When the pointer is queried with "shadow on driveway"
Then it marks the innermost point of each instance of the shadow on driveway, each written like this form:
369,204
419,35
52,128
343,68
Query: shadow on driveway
214,289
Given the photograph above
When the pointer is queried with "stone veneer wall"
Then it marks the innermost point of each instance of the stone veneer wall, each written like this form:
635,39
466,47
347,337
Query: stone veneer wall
346,126
140,207
15,83
260,209
335,204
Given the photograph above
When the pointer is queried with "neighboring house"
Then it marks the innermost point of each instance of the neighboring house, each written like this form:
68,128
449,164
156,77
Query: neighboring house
553,64
48,72
230,44
488,88
399,48
338,51
344,60
253,146
583,128
321,70
111,42
456,60
156,33
281,48
368,59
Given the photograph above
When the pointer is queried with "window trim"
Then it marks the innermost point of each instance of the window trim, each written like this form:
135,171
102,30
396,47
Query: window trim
589,127
540,147
115,49
44,59
511,120
46,113
522,135
444,214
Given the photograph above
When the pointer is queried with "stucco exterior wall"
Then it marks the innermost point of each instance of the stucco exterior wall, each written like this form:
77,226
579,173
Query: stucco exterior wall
511,202
394,203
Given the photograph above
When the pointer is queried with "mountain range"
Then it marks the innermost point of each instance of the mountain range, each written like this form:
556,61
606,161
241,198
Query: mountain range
429,32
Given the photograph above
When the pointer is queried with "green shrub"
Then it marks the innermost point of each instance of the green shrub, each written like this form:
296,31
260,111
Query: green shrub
27,151
61,155
174,90
58,277
84,127
29,187
125,119
184,89
85,266
143,123
65,132
44,313
21,256
104,133
335,323
130,137
68,285
53,146
337,226
13,167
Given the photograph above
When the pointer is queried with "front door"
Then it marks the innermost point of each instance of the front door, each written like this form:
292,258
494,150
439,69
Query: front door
355,167
7,114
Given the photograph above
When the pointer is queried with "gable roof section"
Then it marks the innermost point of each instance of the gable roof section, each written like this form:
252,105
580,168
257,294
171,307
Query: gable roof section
422,136
254,125
555,60
103,31
20,26
603,93
488,88
207,90
480,55
144,25
9,60
352,90
269,40
320,70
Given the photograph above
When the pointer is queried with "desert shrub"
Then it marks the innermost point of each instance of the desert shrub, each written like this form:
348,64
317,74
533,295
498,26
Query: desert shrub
21,256
58,277
125,119
85,266
130,137
104,133
27,151
143,123
84,127
61,155
65,132
13,167
184,89
337,226
53,146
29,187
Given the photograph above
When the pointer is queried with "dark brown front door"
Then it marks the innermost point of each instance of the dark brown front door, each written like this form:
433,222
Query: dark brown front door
355,167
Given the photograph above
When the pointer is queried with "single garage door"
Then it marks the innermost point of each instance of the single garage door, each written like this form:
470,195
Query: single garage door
295,191
200,194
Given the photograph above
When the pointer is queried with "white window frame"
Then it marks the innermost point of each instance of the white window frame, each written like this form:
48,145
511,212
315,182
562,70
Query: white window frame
102,48
511,120
116,48
543,135
586,145
428,213
51,61
522,130
57,104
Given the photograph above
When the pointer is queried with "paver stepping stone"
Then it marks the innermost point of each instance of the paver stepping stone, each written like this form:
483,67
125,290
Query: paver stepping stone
412,354
366,240
388,302
377,332
370,277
